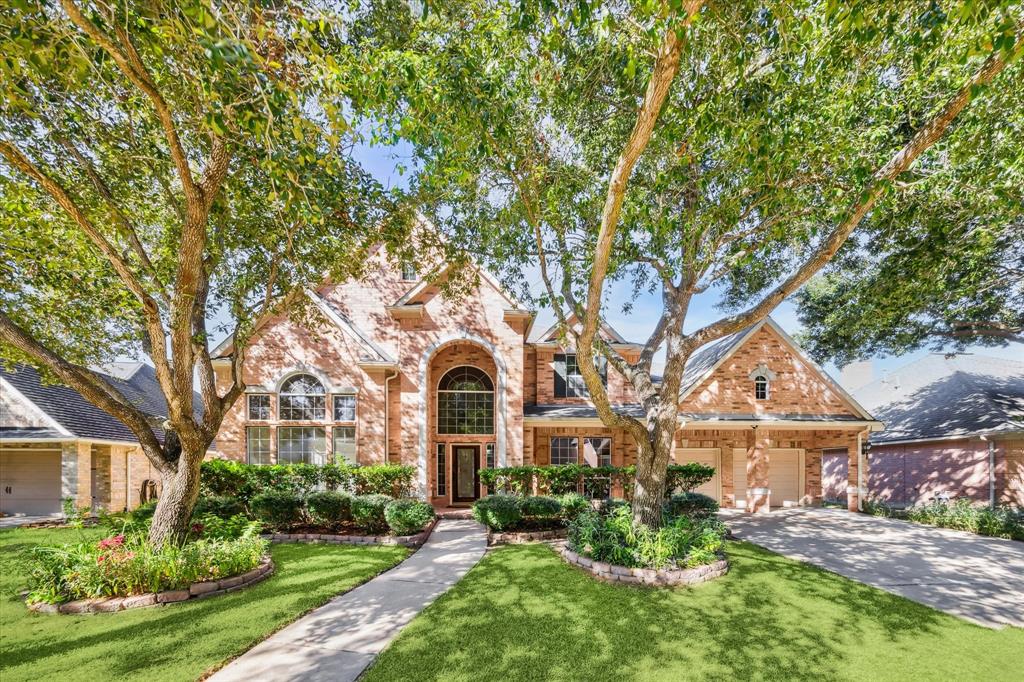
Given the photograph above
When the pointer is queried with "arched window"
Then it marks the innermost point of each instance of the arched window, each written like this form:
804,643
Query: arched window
465,402
302,398
760,387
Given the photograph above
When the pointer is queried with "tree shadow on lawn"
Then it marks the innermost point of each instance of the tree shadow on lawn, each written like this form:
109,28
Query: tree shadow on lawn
524,614
182,640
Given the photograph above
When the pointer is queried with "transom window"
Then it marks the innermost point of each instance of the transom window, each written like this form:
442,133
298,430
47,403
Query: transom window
259,407
302,398
301,445
568,378
344,408
565,450
465,402
761,387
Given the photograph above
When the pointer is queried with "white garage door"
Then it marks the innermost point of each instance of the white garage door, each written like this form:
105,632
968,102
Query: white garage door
30,482
739,476
784,477
710,457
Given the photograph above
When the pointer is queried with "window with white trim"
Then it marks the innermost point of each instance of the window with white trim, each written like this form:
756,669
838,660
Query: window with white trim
301,445
302,398
259,406
408,271
465,402
257,444
597,451
344,443
345,408
565,450
761,387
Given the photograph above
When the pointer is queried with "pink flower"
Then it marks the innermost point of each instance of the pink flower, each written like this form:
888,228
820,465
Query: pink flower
111,542
100,558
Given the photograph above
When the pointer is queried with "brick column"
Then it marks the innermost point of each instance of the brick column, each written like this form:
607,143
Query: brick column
852,481
758,494
83,496
725,445
812,493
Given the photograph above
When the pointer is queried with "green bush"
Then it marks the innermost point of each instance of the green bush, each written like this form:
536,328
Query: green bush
540,507
613,537
215,527
572,505
223,506
123,565
693,505
1002,522
368,513
877,508
566,478
277,508
498,512
246,481
406,516
329,508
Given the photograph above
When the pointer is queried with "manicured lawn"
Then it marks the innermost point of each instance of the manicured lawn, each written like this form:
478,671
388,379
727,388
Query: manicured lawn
522,614
176,642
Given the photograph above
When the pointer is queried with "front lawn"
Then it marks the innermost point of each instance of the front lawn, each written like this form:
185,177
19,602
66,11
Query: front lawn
523,614
176,642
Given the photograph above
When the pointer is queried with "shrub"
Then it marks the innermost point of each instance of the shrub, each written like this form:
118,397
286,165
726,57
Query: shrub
368,512
614,537
572,505
219,505
963,514
877,508
498,512
692,505
123,565
392,480
611,504
246,481
406,516
277,508
329,508
540,507
212,526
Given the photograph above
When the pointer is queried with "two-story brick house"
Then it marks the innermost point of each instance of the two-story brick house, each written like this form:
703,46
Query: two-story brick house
396,372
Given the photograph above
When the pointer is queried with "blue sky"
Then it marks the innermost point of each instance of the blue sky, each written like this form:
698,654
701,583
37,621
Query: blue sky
636,326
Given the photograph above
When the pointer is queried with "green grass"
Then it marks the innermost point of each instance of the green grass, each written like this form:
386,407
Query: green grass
176,642
522,614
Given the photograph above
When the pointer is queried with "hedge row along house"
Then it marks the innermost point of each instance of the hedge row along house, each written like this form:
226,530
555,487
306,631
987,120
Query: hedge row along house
393,371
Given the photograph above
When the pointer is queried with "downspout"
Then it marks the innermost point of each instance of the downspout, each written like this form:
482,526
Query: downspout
387,410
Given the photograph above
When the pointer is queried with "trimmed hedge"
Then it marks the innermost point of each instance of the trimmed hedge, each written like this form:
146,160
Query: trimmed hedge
568,478
406,517
498,512
329,508
277,508
692,505
541,507
368,513
228,478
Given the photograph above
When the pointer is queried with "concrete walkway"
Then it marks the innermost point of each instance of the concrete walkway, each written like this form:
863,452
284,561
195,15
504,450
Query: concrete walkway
977,578
340,639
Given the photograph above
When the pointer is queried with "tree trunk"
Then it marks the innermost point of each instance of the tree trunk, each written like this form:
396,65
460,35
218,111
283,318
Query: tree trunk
652,462
177,500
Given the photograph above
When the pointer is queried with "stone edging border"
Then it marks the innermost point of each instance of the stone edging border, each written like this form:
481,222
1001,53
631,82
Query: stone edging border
201,590
647,576
403,540
519,538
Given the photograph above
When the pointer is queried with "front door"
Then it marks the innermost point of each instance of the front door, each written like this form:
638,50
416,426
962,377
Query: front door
465,468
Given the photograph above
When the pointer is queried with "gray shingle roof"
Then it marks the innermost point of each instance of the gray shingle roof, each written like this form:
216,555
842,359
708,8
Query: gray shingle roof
578,411
76,414
706,358
940,397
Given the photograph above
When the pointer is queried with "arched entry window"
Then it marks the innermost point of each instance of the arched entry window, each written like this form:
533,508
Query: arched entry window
465,402
302,398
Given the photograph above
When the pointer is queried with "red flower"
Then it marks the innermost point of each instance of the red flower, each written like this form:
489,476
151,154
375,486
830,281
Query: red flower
111,542
197,528
100,558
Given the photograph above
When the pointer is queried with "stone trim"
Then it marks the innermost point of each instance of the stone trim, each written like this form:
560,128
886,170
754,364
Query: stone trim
521,538
411,541
647,576
201,590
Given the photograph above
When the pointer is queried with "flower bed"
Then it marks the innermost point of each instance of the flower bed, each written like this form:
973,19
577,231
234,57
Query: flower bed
354,539
198,590
522,537
648,576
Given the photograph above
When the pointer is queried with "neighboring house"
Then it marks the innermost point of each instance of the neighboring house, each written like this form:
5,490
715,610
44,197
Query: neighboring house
953,426
54,444
392,371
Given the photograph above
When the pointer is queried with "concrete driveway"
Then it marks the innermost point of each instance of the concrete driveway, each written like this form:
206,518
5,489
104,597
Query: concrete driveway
977,578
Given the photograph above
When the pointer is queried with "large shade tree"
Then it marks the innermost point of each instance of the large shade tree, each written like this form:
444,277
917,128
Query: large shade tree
688,148
165,165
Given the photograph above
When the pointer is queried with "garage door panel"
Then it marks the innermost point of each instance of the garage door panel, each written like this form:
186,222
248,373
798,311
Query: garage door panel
709,457
739,476
30,482
784,477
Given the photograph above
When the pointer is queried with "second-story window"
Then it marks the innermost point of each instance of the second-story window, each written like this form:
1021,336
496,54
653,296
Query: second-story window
344,408
259,407
761,387
569,379
302,398
408,272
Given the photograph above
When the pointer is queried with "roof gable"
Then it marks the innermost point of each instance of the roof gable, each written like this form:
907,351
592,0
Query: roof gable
717,377
551,334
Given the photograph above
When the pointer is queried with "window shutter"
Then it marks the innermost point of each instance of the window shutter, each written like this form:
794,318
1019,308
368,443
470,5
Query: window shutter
560,375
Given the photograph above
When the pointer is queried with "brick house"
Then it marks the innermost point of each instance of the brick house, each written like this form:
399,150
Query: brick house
56,445
393,371
954,426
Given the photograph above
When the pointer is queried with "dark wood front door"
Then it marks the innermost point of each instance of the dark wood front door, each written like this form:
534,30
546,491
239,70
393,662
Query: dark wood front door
465,472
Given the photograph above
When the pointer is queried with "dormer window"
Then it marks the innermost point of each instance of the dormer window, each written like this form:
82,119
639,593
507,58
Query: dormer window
760,387
408,272
762,378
